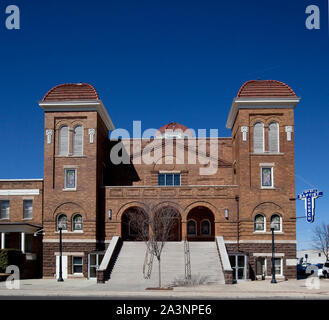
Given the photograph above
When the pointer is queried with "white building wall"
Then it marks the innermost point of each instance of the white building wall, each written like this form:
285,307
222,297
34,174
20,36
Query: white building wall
313,256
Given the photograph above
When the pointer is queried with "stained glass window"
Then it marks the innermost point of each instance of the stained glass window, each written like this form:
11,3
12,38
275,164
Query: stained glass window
259,223
62,222
191,227
77,222
276,222
267,179
205,227
70,178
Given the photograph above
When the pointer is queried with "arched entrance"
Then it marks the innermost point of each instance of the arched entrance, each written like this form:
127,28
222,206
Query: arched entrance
131,222
170,217
200,225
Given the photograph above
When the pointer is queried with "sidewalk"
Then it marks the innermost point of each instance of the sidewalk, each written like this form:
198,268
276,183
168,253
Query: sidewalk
72,288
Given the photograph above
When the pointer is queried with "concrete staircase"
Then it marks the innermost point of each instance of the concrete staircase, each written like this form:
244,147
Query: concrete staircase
128,269
205,261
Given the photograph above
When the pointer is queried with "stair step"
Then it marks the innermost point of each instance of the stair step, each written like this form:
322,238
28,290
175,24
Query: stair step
204,261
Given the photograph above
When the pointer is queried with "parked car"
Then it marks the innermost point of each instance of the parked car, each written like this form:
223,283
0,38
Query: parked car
301,269
325,270
321,270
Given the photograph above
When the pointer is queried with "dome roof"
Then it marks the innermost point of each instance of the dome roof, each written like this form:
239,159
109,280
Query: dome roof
174,129
265,88
71,91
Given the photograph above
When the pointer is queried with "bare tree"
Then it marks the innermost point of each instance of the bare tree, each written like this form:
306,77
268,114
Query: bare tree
155,227
321,239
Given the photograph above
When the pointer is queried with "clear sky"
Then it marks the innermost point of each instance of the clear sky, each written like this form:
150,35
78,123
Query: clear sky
164,61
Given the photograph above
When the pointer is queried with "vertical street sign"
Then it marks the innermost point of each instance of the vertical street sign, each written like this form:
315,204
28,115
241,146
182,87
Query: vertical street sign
309,197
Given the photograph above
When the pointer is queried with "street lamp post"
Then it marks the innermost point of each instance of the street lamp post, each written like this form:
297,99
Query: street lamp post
273,261
60,276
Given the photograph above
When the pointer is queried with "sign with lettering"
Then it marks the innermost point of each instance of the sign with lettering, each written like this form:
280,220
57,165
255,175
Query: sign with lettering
309,197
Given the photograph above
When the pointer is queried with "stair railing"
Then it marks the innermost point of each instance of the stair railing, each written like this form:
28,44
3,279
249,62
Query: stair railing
187,257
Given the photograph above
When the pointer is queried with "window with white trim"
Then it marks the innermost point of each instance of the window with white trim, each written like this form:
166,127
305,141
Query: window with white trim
77,141
260,223
62,222
259,137
70,179
276,222
77,224
27,209
273,137
278,266
169,179
267,180
77,264
5,209
63,141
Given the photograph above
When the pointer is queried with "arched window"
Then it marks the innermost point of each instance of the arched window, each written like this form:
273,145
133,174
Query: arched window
258,137
205,227
259,223
62,222
191,228
63,140
273,137
78,140
77,224
276,222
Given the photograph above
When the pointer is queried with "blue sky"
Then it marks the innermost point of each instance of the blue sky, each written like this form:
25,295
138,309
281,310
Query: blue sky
163,61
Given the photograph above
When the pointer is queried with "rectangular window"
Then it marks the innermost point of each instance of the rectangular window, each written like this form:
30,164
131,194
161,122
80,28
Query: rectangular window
169,179
70,178
28,243
162,179
278,266
27,209
77,265
5,209
267,177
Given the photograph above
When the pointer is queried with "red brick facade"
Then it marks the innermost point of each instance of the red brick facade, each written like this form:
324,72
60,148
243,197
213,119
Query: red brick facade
229,199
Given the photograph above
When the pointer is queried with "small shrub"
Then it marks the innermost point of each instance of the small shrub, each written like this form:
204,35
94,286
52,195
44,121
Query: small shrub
194,281
10,257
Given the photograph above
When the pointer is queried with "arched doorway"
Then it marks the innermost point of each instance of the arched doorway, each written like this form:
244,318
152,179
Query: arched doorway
131,221
172,218
200,224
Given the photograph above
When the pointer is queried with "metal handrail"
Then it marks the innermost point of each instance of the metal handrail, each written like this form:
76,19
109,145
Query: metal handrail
187,257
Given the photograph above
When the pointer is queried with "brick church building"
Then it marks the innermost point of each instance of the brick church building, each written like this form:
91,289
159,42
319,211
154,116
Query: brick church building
88,195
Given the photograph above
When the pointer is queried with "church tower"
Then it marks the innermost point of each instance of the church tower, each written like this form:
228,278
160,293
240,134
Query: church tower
262,123
76,135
